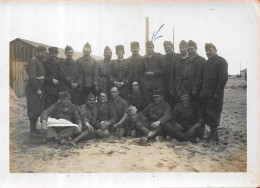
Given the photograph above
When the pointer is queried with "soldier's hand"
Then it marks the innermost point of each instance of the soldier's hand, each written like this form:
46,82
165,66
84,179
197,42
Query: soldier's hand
149,73
79,129
44,124
115,125
155,124
39,92
56,82
194,92
90,128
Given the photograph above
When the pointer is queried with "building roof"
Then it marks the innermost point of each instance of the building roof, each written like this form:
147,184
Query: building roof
243,70
61,53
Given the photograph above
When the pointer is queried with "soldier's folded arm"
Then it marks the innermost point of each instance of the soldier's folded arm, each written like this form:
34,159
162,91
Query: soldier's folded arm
48,112
167,115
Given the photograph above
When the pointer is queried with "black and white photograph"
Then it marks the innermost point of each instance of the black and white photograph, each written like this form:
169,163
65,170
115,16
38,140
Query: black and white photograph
139,89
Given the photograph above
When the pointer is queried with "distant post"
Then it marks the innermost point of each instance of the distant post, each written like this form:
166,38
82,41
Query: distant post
147,28
173,37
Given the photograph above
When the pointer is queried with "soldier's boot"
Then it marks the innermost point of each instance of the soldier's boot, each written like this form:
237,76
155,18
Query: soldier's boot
84,134
33,132
102,133
145,131
213,138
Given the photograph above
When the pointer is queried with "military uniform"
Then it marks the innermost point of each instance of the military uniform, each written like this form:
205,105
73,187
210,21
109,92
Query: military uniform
212,92
137,67
69,72
59,111
120,105
89,68
104,73
105,112
50,89
129,125
121,73
88,115
155,64
138,100
35,102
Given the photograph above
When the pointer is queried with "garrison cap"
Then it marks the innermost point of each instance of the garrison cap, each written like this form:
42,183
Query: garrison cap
192,44
40,49
53,50
107,49
120,47
64,94
90,95
157,92
133,44
68,48
210,45
183,43
87,45
148,43
166,43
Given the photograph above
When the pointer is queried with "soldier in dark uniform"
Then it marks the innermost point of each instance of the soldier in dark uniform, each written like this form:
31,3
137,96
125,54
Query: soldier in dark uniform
170,59
136,97
176,76
63,109
212,92
154,71
158,113
34,89
193,72
70,76
187,121
51,81
89,68
136,62
104,71
121,75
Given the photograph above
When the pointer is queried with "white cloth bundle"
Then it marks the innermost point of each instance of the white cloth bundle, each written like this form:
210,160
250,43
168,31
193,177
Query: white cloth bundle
52,122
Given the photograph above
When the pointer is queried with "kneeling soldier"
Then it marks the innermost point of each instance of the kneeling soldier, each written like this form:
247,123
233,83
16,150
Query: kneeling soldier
187,123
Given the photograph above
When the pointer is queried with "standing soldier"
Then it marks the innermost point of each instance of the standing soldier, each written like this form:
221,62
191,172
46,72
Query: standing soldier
136,62
51,82
70,76
212,92
120,76
176,76
170,60
104,70
193,72
89,68
154,71
34,88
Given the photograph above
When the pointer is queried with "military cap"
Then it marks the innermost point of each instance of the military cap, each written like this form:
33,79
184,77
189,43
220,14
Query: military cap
120,47
102,91
184,92
131,110
210,45
68,48
87,45
157,92
183,43
64,94
107,49
148,43
53,50
40,49
91,95
134,44
192,44
166,43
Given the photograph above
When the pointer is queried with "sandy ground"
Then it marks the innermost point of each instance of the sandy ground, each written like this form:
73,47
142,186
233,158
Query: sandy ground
125,155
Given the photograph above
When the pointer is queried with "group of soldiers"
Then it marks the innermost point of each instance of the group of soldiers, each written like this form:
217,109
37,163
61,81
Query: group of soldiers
152,96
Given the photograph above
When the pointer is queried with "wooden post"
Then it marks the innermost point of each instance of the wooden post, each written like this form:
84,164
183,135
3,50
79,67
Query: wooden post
147,28
173,37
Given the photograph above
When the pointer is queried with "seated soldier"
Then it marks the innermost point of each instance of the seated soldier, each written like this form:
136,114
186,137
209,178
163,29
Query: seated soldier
63,109
106,116
136,97
88,113
157,113
187,123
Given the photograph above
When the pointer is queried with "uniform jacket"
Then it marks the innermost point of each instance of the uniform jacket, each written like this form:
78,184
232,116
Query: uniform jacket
104,71
138,100
215,77
88,114
121,106
161,112
106,112
137,67
89,68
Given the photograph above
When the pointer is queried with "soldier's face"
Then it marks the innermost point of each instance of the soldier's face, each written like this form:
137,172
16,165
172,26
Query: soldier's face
183,50
69,54
211,52
192,51
114,93
102,98
54,55
108,54
168,49
135,86
90,101
185,99
157,99
149,49
65,101
87,51
120,54
133,116
135,50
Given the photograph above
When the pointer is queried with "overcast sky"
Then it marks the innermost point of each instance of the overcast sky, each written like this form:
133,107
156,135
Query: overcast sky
231,26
